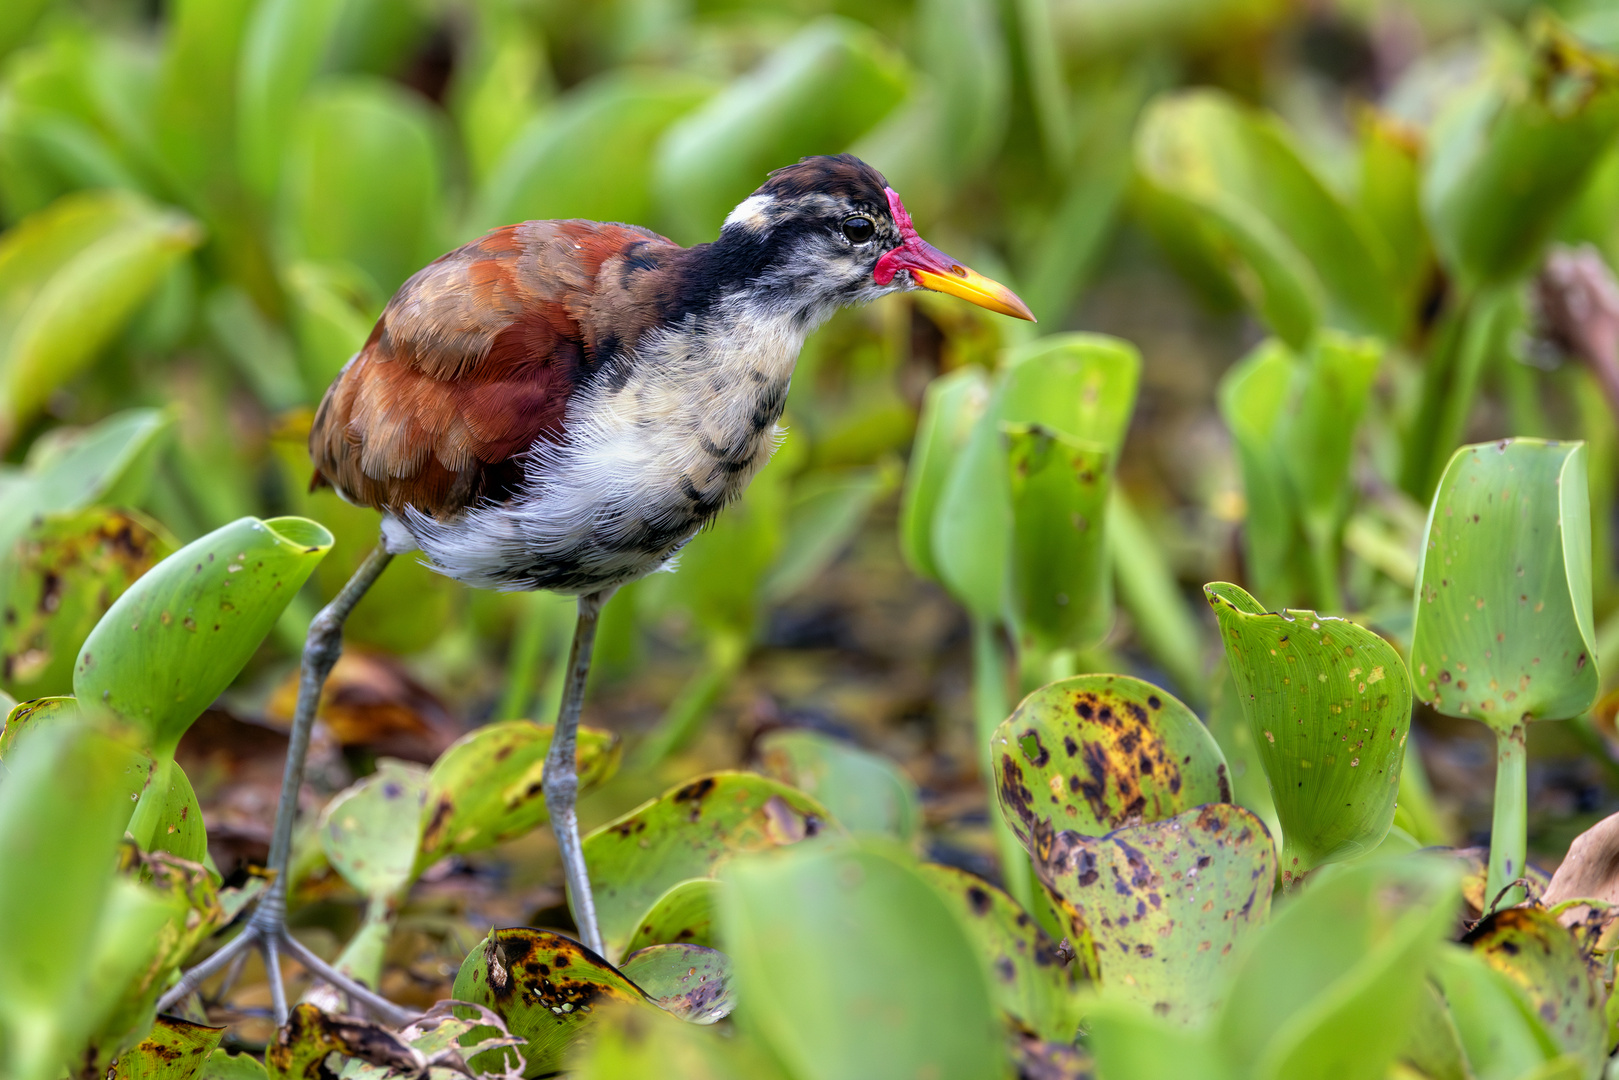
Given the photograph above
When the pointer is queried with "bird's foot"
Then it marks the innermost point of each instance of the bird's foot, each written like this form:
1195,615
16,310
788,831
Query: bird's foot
267,932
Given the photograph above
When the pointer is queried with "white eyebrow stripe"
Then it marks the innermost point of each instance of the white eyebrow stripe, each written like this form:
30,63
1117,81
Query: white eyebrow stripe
751,212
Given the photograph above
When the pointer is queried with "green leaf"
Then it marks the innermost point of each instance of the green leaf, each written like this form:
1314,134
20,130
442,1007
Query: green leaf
852,966
168,817
285,43
62,811
1503,630
1331,987
816,94
825,513
1155,911
1080,385
683,915
501,80
223,1065
970,535
175,1050
1499,1031
1150,590
488,787
864,792
963,50
171,644
690,981
1542,959
364,181
61,578
70,278
951,406
1509,154
1026,977
559,167
547,988
369,830
1299,253
1253,395
1094,752
333,310
1329,707
1060,488
630,1043
685,834
1390,196
27,718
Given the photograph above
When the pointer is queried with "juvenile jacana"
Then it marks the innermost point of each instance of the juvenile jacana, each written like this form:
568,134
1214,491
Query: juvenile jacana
562,404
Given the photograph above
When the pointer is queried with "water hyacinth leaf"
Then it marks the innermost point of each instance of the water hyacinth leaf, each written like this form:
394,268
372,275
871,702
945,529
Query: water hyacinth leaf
1059,489
171,644
1390,197
1542,959
816,94
79,308
1094,752
1329,707
547,989
1329,986
1503,630
1507,157
1155,911
970,536
175,1050
1318,438
363,182
1299,252
951,405
686,833
683,915
1500,1034
1081,385
1253,396
804,927
1028,980
1433,1046
963,50
27,718
285,44
1129,1043
558,167
58,582
168,817
488,787
864,792
223,1065
62,812
690,981
110,462
634,1042
369,831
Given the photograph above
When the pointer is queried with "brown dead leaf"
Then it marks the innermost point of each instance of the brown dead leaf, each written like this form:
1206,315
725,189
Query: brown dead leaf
1589,871
371,700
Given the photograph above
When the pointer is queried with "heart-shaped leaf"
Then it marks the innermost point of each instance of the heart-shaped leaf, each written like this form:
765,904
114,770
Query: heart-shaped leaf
690,981
687,833
1155,911
489,786
171,644
1503,617
1095,752
683,915
547,988
1329,706
865,792
1028,979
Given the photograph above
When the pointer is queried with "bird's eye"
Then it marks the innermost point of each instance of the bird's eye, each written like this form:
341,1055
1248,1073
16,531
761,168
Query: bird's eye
859,230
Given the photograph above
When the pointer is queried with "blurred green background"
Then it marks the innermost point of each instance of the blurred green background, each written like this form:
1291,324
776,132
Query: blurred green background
207,202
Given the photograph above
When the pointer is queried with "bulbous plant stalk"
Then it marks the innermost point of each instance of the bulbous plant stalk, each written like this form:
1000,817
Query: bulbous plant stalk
1509,831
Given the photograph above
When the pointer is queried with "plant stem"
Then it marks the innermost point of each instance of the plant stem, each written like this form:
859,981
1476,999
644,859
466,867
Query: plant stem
1509,830
990,707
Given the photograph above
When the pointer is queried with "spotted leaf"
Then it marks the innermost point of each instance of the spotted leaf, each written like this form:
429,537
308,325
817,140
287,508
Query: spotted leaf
686,833
684,915
1329,707
865,791
547,989
1541,958
1029,980
1156,911
1095,752
175,1050
690,981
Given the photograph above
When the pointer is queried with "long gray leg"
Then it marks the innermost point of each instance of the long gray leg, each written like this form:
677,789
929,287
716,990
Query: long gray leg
267,928
562,777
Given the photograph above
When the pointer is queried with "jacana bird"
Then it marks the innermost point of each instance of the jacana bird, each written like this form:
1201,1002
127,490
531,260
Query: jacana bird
562,404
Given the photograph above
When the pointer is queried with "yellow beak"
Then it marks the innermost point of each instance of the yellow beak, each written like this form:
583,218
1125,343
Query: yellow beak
975,288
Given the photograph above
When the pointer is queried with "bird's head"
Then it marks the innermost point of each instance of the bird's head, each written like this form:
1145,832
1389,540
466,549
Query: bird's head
829,231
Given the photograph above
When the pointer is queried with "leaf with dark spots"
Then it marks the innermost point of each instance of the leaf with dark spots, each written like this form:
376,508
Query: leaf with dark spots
488,786
1127,763
1329,710
175,1049
65,572
686,834
1032,984
1543,960
547,989
866,792
301,1046
690,981
1181,896
683,915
